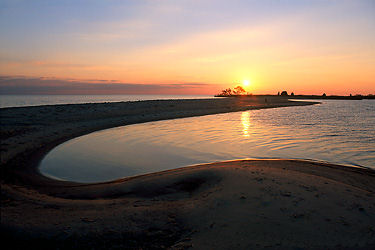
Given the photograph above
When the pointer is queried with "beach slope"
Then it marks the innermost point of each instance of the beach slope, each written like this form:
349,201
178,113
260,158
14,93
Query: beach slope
245,204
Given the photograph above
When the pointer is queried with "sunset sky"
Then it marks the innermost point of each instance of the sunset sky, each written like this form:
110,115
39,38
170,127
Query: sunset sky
187,47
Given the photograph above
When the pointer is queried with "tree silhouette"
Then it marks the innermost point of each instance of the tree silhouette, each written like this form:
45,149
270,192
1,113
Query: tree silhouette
225,92
238,90
229,92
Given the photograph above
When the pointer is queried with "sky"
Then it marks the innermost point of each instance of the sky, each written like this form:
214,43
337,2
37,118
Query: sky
187,47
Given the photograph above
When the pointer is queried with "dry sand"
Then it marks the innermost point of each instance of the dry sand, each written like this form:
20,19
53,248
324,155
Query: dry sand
245,204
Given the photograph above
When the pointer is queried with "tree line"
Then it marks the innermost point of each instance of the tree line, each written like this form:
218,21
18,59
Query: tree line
229,92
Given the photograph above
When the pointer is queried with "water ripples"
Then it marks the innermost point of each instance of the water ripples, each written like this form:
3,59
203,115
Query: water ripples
335,131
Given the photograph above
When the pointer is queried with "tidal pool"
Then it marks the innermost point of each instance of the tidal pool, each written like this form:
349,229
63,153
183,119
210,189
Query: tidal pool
335,131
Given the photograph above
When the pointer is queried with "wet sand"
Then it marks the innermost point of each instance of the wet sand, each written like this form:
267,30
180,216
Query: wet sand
244,204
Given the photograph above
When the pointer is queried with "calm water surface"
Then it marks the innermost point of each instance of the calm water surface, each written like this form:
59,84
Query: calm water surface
36,100
335,131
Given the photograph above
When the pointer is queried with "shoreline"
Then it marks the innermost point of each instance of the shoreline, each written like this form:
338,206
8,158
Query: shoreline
276,203
29,133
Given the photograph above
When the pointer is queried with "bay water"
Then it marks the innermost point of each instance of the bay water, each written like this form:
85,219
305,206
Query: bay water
7,101
336,131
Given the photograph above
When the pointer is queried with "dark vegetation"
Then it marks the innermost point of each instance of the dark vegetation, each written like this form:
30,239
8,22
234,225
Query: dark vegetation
235,92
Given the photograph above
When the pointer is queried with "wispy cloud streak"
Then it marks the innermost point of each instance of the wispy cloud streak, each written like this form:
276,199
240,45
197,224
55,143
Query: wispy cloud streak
44,85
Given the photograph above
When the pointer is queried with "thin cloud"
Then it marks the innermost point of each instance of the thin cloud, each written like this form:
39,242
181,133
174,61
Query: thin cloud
48,85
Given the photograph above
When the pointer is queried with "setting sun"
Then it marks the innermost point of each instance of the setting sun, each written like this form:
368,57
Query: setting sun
246,83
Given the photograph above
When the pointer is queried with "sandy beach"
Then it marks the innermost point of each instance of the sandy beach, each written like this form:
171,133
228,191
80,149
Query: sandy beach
243,204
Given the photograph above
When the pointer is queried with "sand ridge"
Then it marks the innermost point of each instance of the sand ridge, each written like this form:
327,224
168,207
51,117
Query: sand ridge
243,204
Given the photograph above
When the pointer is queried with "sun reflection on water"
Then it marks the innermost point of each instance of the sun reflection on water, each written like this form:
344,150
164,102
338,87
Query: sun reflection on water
245,120
327,132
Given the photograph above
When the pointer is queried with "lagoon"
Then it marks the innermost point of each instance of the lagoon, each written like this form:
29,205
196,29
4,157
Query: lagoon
337,131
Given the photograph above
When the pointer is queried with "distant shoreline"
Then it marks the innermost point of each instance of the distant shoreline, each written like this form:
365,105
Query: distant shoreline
15,100
313,97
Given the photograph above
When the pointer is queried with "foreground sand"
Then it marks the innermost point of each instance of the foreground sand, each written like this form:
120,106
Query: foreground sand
250,204
282,204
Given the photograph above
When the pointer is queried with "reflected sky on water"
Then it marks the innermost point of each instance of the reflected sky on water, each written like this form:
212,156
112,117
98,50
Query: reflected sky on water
335,131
